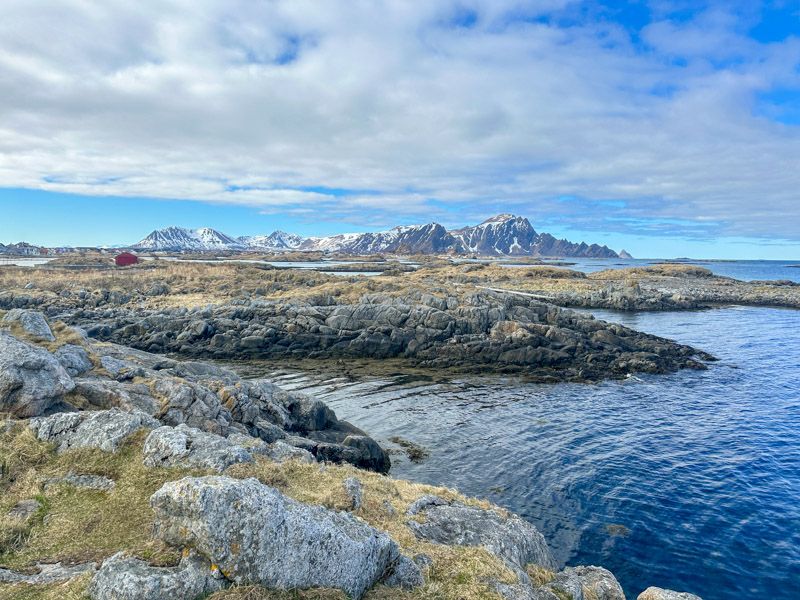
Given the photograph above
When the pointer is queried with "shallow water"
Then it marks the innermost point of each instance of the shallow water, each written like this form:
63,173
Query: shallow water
688,481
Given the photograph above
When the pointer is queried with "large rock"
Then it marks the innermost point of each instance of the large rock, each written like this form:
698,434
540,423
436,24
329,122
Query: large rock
105,429
31,379
32,322
189,447
656,593
257,535
74,359
126,578
515,541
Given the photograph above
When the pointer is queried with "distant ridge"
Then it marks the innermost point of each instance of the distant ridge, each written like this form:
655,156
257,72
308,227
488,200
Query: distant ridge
501,235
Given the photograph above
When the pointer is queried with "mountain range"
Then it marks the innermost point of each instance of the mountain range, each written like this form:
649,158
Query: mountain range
502,235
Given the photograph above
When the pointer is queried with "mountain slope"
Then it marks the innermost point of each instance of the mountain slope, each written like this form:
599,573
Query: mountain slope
277,240
181,239
502,235
415,239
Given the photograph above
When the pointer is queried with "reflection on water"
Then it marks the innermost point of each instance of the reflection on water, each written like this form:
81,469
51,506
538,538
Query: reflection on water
689,481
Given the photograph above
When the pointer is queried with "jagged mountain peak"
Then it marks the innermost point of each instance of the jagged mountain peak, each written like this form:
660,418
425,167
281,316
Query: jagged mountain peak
502,235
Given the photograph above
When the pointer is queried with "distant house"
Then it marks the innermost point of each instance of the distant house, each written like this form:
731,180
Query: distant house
125,259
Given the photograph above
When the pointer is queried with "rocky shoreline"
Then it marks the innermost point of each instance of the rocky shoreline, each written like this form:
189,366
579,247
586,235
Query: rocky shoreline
478,331
246,490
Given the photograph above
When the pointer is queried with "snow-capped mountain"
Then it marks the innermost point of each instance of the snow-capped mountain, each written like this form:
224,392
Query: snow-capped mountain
503,235
277,240
415,239
181,239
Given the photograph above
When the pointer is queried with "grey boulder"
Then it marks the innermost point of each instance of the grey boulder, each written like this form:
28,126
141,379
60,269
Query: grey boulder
510,538
104,429
126,578
189,447
32,322
259,536
74,359
656,593
31,379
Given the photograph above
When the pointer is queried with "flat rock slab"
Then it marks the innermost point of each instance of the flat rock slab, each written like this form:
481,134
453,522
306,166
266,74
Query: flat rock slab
510,538
88,482
48,573
126,578
256,535
104,429
31,379
190,447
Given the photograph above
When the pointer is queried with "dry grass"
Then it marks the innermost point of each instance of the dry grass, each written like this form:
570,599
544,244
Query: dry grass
68,590
78,525
659,270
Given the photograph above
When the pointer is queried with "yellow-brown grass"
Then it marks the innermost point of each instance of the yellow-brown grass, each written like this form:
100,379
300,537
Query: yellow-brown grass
76,525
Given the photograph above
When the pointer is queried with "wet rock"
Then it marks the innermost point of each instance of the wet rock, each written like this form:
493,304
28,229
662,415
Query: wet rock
31,379
126,578
354,490
189,447
32,322
48,573
74,359
510,538
656,593
257,535
104,430
370,455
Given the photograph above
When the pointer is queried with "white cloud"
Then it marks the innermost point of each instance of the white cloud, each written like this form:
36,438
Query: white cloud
190,100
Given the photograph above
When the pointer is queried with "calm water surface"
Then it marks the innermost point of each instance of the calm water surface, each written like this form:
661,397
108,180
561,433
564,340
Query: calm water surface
689,481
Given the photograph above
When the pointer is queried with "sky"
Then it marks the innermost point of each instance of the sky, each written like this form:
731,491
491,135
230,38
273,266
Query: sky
665,127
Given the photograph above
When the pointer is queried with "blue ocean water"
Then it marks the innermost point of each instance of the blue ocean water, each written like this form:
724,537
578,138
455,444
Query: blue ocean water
689,481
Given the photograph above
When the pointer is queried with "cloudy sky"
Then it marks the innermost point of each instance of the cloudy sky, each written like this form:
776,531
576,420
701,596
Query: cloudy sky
670,128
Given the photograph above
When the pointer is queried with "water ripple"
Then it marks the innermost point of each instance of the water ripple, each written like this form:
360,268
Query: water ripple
689,481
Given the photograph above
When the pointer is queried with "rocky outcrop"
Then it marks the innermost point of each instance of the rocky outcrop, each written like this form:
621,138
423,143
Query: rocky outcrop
126,578
513,540
31,379
656,593
104,430
482,331
257,535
